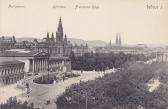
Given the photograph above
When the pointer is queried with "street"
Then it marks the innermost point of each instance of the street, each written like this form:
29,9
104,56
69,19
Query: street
41,93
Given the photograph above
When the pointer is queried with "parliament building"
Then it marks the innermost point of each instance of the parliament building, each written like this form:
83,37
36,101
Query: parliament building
11,71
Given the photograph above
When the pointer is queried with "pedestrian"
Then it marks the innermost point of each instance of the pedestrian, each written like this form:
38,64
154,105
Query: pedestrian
63,78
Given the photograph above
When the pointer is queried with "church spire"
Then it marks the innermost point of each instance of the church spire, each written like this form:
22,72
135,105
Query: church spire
48,37
60,29
116,38
52,37
65,39
110,43
59,33
119,39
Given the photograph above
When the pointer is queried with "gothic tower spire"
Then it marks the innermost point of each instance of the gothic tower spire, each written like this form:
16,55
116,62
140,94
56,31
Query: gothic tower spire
110,43
52,37
116,38
48,37
59,33
65,39
119,39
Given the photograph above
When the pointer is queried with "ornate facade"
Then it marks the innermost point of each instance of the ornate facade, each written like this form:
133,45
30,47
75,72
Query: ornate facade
42,62
11,71
56,46
38,62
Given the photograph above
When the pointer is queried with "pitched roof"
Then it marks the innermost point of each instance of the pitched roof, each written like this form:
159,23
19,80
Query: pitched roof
10,62
21,54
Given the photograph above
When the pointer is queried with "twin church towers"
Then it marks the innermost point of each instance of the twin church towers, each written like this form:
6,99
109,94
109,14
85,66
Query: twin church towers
118,39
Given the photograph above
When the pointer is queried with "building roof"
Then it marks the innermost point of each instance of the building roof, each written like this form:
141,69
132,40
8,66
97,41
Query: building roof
21,53
2,63
59,58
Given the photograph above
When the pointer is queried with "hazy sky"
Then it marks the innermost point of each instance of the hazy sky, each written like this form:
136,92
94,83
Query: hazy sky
132,18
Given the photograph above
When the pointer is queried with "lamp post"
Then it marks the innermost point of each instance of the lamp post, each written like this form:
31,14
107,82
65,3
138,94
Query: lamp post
86,101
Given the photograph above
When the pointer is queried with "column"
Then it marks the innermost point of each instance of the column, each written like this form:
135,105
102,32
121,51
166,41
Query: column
32,65
42,65
45,65
37,65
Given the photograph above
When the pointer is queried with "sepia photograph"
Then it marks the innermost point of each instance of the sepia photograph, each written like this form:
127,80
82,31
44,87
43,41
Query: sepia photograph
83,54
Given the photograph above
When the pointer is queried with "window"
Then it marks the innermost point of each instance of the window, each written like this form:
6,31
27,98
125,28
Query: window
58,50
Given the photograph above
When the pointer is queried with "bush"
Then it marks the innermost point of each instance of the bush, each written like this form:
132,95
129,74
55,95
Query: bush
48,102
13,103
43,80
71,75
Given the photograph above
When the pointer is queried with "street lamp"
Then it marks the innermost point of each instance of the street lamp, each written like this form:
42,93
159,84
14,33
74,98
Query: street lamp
86,101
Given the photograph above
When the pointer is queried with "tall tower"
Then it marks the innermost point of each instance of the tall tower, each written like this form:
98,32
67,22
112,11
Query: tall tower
110,43
116,38
65,39
119,42
59,33
48,37
52,37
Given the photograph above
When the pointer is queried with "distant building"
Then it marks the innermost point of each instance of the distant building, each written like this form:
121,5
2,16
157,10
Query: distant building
118,47
11,71
80,50
23,45
7,43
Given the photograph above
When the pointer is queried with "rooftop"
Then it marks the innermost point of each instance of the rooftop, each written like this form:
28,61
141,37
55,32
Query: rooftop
10,62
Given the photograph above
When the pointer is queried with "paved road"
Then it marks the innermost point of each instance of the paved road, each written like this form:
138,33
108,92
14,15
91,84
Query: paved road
41,93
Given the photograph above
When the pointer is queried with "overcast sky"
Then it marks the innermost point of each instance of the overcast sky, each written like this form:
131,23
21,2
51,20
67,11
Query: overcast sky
135,22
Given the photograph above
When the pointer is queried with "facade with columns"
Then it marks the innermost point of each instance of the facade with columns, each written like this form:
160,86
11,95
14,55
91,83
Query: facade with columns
38,62
162,56
43,62
11,71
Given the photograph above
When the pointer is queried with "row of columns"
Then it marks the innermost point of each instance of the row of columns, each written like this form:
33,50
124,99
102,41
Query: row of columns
40,65
11,74
43,64
162,57
12,69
